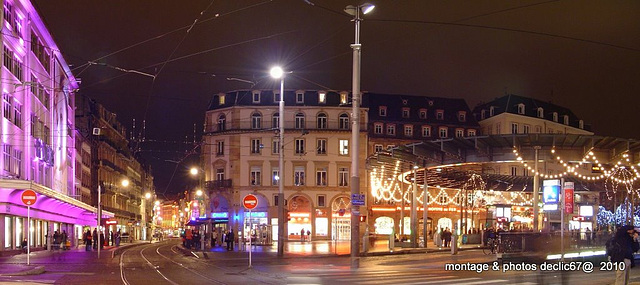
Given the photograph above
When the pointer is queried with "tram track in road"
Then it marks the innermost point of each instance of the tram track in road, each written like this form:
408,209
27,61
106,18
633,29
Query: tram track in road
172,266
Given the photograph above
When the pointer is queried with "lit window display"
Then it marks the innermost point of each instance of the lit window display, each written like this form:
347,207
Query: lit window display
322,226
384,226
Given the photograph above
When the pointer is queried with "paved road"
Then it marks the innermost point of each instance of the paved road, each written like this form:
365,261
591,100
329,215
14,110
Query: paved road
164,263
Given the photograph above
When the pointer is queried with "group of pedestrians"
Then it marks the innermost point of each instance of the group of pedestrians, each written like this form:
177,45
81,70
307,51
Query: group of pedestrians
442,237
91,239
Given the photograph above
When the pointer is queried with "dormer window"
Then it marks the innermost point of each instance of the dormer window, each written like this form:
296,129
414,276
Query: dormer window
566,119
343,98
440,114
405,112
462,116
382,111
492,111
299,97
521,109
555,117
322,97
581,124
540,112
423,113
483,114
276,96
256,97
221,99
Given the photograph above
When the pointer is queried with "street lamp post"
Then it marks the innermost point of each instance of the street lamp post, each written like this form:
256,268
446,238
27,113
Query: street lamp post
147,196
195,171
277,72
355,129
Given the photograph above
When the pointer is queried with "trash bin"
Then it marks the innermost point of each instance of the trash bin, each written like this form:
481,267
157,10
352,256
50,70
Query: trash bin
464,239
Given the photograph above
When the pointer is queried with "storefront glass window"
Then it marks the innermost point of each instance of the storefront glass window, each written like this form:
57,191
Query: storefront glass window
19,225
7,232
322,226
384,226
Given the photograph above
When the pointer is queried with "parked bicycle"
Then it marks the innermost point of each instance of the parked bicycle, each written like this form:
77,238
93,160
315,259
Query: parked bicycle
491,247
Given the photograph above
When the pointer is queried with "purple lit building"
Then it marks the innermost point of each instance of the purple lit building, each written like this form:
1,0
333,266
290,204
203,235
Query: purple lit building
38,151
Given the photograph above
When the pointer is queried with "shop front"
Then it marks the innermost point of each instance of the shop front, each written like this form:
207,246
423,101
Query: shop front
300,218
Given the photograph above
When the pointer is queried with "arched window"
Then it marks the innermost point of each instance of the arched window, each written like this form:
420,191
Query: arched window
300,121
322,121
222,119
344,121
256,121
275,121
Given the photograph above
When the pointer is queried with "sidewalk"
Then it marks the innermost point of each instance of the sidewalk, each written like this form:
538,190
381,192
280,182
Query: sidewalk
16,265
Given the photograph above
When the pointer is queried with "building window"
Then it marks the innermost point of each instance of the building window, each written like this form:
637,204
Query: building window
219,147
6,106
525,129
275,176
405,113
514,128
525,172
255,146
322,200
483,114
12,63
540,112
492,111
426,131
440,114
462,116
344,147
514,170
343,121
377,148
322,97
423,113
521,109
377,128
538,129
299,145
555,117
382,111
221,99
256,121
391,130
391,146
321,177
498,129
343,176
443,132
408,130
322,121
459,133
471,133
298,176
321,146
299,121
581,124
275,121
275,146
222,122
299,97
6,153
255,176
256,97
343,98
220,174
276,96
566,119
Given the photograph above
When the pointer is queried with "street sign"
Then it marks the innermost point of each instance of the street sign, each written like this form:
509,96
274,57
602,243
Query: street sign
357,199
250,202
28,197
568,197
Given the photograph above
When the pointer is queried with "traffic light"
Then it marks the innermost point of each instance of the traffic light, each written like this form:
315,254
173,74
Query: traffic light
287,214
363,219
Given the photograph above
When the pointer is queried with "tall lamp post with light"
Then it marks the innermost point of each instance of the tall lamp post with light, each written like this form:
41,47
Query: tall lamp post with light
147,197
278,73
355,129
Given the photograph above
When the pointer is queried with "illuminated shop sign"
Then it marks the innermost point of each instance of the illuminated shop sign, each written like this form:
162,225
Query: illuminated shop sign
551,190
255,214
220,215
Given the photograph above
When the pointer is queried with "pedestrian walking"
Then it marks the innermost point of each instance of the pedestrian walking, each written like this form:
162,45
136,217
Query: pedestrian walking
214,237
620,248
56,240
302,235
87,240
64,240
229,239
446,236
118,237
309,235
95,236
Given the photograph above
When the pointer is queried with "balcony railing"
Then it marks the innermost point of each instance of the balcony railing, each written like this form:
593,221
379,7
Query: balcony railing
218,184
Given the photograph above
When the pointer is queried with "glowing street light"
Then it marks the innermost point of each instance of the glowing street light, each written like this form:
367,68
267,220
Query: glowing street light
278,73
194,171
199,193
125,182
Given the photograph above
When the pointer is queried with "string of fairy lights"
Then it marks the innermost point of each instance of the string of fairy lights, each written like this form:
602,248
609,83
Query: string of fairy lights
385,188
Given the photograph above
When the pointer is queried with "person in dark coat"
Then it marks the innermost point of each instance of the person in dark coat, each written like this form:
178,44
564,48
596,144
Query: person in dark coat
229,239
446,236
621,249
87,240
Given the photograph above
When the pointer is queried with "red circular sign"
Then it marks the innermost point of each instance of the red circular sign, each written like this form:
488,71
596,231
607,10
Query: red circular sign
250,202
28,197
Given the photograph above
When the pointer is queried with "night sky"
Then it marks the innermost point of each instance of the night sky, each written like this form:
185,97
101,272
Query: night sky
584,55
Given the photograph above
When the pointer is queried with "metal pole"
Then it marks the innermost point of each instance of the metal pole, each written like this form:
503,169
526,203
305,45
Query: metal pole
414,210
536,185
355,138
99,216
250,228
28,233
425,205
281,172
562,219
